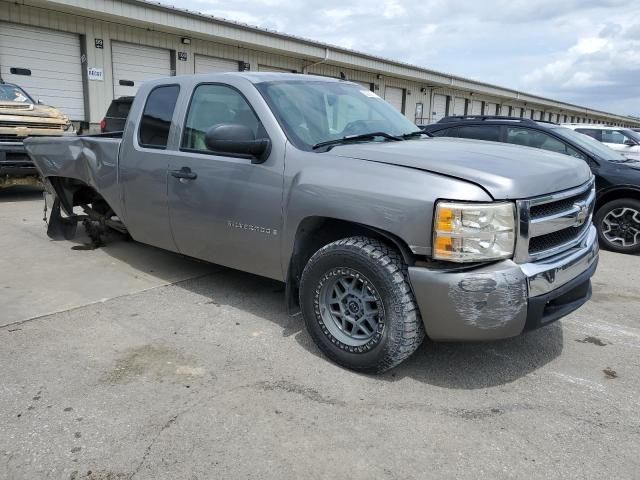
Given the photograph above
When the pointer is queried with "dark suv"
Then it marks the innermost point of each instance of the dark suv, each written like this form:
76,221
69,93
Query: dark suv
116,115
617,214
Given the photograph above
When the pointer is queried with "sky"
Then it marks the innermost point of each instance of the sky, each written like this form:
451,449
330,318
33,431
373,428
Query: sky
580,51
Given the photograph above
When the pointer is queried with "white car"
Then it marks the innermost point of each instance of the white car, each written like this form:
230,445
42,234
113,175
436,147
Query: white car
620,139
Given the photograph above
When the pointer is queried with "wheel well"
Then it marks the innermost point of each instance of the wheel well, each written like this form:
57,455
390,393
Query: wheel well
316,232
617,194
73,192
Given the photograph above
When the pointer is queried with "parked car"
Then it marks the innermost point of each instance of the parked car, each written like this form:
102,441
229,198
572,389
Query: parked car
116,115
617,216
22,116
379,231
622,140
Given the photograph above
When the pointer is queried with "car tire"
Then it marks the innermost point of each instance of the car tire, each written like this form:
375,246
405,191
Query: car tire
358,305
618,225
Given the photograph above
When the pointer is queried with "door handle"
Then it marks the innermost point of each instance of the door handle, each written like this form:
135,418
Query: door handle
184,172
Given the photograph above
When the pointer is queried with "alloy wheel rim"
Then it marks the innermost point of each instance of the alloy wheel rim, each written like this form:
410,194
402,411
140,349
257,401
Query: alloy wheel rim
351,308
621,227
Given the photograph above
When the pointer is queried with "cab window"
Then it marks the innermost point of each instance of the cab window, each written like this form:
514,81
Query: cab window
214,105
157,115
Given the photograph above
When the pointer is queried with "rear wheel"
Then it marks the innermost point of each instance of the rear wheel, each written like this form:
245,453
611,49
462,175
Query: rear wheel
618,224
358,305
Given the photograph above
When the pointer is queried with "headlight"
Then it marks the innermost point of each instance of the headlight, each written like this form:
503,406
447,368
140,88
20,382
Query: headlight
471,232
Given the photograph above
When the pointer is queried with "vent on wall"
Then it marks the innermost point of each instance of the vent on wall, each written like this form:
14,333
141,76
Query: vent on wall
20,71
126,83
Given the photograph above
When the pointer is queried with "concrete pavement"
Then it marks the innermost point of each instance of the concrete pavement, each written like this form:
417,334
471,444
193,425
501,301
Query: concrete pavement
192,371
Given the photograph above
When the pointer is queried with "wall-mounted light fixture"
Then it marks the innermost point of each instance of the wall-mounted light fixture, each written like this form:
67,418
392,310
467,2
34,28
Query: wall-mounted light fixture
185,41
379,76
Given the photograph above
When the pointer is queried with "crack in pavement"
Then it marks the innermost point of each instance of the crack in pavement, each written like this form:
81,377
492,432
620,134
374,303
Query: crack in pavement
104,300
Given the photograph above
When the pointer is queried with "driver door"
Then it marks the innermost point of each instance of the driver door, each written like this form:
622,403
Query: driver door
223,208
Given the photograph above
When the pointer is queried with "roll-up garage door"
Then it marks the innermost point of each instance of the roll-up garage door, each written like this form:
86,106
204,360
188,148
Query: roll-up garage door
458,105
476,107
490,108
133,64
365,85
204,64
439,108
46,63
516,112
528,113
269,68
395,96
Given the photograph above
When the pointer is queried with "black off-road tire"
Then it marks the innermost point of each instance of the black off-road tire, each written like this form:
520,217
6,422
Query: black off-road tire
401,330
602,214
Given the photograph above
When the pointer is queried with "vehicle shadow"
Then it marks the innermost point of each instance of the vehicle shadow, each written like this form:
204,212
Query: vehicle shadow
446,365
481,365
20,194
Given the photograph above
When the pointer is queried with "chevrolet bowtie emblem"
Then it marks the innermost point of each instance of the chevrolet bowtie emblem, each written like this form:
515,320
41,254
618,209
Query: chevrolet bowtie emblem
582,214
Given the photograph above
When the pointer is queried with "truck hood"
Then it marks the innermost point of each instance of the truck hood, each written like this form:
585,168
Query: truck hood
25,112
504,171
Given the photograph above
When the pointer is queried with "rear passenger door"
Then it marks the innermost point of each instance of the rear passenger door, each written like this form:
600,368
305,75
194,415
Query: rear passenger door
144,158
223,208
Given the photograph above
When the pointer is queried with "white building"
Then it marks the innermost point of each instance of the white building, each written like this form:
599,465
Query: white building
80,54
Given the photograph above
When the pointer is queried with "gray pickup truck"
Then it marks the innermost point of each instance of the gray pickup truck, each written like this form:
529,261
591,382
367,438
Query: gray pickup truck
381,233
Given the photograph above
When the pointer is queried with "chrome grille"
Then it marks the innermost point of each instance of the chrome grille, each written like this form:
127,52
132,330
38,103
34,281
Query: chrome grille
9,138
18,106
48,126
553,208
554,223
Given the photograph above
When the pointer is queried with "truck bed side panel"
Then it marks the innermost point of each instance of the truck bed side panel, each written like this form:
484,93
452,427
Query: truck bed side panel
92,160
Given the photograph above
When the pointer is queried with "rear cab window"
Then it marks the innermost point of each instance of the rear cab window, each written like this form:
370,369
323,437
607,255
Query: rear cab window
592,132
157,115
119,109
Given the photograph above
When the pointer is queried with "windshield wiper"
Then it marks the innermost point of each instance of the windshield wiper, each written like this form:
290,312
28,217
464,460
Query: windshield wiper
417,133
355,138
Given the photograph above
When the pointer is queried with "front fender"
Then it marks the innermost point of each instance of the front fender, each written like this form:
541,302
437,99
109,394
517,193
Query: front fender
389,198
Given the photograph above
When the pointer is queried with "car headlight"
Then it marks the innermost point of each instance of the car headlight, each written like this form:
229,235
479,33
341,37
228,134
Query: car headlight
472,232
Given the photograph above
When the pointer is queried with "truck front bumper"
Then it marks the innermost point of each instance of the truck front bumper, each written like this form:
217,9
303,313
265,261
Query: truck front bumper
504,299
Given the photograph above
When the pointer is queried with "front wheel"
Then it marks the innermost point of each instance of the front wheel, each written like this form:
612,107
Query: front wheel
618,224
358,305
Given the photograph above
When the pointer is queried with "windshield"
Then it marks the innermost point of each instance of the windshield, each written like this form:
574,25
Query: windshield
11,93
315,112
589,144
632,134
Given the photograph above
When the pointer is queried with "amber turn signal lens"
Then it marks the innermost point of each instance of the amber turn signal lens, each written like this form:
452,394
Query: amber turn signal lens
444,222
444,246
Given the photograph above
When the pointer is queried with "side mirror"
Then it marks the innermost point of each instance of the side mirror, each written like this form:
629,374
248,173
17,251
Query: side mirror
630,143
232,138
39,102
